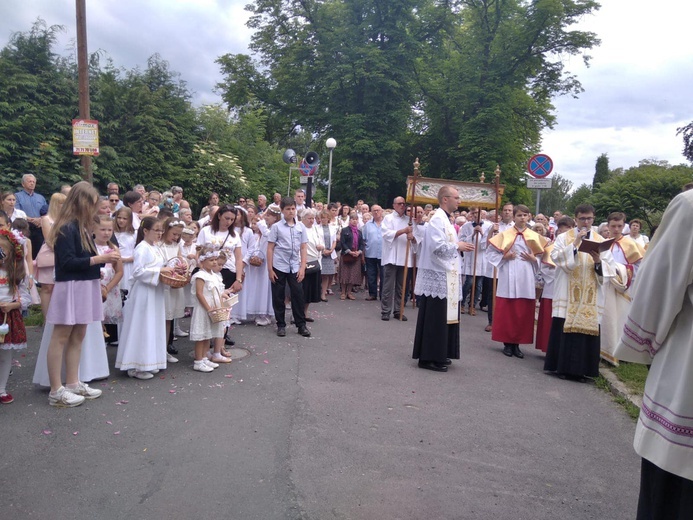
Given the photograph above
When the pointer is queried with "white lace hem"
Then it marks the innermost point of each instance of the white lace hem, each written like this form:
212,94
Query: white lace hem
434,284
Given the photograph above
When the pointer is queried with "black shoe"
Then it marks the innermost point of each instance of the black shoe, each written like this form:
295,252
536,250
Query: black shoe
281,331
303,331
229,341
508,350
310,320
431,365
172,350
396,316
385,318
448,361
517,352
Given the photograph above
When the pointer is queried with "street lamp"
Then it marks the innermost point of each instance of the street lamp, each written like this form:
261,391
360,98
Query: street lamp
331,145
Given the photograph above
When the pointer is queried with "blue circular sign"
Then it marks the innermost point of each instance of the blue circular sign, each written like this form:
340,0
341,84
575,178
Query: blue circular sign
540,166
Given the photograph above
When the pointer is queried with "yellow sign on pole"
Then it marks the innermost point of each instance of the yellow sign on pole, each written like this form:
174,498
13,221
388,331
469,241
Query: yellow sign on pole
85,137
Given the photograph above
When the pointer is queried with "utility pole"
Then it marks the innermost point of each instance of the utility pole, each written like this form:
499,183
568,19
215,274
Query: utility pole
83,71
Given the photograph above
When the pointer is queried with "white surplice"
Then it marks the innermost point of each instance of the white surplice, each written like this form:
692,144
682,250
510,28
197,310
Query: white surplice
659,331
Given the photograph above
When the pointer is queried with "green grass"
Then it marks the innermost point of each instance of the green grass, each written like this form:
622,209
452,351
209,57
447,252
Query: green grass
632,410
633,375
35,316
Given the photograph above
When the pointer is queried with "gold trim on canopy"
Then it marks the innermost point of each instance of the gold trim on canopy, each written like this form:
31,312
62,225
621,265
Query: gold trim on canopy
476,194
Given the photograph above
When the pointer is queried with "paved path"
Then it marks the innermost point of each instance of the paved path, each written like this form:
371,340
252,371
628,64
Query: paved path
338,426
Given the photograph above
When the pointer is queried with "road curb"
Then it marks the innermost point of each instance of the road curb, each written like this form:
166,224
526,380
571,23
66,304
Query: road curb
618,388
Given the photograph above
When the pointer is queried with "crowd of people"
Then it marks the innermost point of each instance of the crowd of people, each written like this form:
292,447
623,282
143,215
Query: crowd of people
126,270
117,258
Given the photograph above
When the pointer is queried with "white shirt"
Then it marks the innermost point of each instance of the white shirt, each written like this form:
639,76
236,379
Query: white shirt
394,249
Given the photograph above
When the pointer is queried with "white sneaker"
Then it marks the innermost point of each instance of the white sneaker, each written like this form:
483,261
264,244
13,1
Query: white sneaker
170,358
85,391
180,333
209,363
138,374
235,321
63,398
201,366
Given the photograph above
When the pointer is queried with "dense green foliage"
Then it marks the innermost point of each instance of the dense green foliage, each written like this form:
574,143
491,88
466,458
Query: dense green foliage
463,85
149,131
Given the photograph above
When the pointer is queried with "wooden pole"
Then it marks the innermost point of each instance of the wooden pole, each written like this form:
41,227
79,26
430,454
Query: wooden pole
406,254
83,72
496,181
472,310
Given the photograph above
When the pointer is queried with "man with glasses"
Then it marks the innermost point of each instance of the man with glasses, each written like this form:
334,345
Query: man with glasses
578,300
396,232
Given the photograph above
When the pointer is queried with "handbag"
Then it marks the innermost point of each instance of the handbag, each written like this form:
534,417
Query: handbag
312,267
45,257
349,259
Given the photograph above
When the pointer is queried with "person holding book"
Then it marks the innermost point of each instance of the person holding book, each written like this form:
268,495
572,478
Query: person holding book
578,302
620,266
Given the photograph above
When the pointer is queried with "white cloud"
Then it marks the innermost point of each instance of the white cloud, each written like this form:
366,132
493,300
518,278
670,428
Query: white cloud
636,90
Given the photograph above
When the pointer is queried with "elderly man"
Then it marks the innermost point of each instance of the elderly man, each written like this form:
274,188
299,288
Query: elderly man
35,206
373,236
261,204
396,232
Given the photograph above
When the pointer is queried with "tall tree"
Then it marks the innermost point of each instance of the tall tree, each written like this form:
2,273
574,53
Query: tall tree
555,198
487,88
38,93
643,191
581,195
601,171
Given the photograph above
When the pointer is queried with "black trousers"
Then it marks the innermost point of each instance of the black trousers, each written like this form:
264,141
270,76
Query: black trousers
297,301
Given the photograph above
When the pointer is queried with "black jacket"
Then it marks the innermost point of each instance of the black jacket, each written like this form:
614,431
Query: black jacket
346,240
71,259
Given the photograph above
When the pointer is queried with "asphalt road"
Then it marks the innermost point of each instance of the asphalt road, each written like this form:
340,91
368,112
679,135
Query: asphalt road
342,425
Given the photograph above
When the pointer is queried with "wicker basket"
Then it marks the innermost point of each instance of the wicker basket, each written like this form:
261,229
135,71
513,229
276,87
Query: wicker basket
174,280
222,310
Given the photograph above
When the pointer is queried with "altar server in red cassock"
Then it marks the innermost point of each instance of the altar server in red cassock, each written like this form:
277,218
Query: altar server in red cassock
514,252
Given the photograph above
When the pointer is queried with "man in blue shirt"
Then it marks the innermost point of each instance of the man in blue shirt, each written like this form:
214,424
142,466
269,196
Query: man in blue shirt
35,206
286,263
373,236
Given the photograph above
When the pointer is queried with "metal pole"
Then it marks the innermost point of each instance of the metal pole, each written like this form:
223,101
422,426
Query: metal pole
83,73
329,178
288,188
538,199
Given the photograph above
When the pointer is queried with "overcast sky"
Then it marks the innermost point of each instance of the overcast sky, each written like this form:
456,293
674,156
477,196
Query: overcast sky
637,89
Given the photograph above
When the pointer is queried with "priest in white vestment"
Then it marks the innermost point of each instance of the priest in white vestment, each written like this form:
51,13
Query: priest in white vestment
659,330
578,302
437,339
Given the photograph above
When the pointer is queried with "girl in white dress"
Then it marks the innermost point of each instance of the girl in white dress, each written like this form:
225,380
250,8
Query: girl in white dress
259,302
189,251
142,348
208,289
174,298
111,274
125,234
239,312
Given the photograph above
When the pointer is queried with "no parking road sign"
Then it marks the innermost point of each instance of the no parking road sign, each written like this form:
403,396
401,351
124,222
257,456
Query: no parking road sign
540,166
